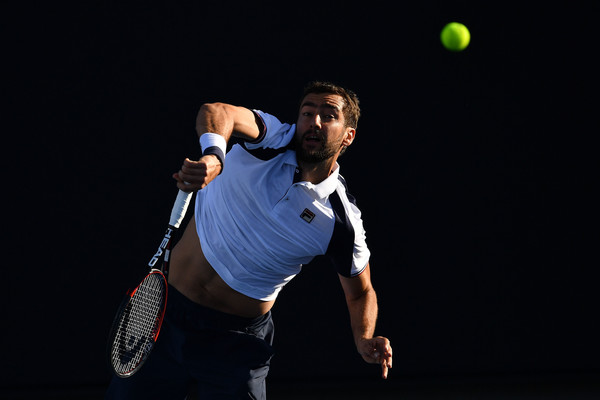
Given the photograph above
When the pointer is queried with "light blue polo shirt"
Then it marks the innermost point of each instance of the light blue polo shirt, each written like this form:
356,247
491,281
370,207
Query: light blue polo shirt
257,227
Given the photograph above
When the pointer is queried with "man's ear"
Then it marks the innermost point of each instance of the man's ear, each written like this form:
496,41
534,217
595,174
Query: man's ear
350,134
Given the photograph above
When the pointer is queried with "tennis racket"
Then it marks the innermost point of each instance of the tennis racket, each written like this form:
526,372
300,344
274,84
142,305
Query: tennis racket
138,321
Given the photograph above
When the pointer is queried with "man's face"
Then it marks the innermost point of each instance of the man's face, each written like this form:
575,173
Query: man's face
320,129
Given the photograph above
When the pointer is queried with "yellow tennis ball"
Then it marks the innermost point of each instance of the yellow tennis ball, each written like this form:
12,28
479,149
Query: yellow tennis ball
455,36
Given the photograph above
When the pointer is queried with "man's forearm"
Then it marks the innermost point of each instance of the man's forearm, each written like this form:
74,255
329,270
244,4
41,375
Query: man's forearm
213,117
227,120
363,314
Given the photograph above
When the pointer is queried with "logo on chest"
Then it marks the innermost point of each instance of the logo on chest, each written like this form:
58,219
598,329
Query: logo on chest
307,215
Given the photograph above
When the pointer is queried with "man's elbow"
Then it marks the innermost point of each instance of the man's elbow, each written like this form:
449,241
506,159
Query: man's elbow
366,294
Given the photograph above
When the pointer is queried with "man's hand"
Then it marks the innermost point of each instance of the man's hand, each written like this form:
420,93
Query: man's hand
377,350
195,175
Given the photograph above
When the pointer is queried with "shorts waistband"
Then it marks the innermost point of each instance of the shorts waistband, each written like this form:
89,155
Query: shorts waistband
182,310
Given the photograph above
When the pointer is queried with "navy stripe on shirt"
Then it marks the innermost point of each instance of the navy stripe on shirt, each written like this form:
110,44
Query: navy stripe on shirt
341,246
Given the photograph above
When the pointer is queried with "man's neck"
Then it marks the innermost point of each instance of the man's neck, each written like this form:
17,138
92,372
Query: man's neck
316,173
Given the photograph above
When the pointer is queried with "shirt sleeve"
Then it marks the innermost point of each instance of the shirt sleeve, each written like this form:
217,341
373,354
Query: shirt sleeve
275,135
348,250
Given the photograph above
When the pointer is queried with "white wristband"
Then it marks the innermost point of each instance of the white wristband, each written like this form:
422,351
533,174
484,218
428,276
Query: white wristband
211,140
214,144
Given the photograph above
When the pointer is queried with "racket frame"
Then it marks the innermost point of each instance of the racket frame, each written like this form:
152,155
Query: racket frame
163,253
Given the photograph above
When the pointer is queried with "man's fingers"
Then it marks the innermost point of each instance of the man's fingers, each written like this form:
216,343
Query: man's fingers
193,168
378,350
385,350
384,370
193,175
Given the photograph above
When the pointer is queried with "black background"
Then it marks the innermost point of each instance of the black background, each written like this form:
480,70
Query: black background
474,172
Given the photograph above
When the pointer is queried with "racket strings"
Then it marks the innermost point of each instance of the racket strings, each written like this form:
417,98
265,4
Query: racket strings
138,327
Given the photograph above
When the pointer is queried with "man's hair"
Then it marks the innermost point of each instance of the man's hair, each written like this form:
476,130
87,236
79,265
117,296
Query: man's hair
351,109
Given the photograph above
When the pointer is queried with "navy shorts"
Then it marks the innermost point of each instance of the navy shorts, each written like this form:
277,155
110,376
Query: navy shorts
220,355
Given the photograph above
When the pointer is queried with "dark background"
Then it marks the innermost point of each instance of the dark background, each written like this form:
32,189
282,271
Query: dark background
474,171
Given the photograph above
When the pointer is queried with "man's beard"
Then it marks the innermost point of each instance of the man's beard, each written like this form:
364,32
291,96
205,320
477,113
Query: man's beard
324,153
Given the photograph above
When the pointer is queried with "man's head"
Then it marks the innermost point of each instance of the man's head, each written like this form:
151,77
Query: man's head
326,123
351,107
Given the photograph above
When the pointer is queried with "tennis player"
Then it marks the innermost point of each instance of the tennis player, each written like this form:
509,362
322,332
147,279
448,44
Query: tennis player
270,205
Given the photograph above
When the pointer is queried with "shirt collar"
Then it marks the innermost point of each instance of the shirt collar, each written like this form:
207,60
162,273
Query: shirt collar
328,186
321,190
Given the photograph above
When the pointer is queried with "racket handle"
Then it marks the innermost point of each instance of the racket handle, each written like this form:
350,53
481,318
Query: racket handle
179,208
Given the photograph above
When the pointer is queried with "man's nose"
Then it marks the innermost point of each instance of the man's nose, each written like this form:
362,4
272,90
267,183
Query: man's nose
316,122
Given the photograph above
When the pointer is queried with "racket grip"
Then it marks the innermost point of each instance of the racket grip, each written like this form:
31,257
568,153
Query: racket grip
179,208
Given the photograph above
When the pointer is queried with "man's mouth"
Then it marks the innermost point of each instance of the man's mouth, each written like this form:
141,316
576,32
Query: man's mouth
312,137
